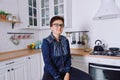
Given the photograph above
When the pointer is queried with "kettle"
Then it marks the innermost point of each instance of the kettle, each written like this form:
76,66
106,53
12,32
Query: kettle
98,46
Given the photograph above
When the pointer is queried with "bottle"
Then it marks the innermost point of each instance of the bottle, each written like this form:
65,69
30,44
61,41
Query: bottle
84,39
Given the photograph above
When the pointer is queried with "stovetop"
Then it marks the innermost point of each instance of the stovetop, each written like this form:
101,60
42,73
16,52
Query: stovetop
106,53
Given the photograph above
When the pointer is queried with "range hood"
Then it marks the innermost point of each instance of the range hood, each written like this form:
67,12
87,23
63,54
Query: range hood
107,10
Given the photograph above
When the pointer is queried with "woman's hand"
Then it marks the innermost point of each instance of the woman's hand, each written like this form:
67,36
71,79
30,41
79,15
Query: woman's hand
67,76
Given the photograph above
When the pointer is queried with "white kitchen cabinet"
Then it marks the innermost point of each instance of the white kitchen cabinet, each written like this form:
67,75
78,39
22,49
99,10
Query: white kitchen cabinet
24,68
42,65
4,74
49,8
80,62
28,11
34,67
13,70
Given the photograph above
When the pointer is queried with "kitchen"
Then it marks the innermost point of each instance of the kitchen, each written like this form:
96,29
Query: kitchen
82,19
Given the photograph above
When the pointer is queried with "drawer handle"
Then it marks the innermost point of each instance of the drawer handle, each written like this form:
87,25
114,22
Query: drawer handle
12,69
29,58
8,70
10,63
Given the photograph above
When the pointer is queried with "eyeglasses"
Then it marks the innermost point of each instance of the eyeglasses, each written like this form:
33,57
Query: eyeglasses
57,25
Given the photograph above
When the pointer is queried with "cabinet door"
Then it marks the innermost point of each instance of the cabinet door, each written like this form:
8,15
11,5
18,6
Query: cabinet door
28,10
33,67
42,65
50,8
59,7
80,63
45,13
4,74
18,72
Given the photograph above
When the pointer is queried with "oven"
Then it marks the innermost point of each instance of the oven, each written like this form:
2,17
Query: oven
104,72
104,69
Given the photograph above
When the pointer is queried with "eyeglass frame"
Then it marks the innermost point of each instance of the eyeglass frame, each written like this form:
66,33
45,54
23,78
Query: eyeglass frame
57,25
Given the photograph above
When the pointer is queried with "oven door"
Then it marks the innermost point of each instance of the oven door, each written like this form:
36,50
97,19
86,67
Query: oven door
104,72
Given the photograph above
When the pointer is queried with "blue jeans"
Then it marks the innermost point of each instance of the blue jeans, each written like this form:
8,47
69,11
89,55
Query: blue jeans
75,74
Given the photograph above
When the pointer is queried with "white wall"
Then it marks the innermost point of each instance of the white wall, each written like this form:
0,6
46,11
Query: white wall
82,13
106,30
11,6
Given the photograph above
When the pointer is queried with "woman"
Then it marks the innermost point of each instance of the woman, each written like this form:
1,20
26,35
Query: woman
56,55
56,52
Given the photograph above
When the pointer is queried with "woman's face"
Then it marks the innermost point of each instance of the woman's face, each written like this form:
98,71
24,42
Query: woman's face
57,27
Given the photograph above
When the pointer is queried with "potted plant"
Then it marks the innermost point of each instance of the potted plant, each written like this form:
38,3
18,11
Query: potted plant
3,15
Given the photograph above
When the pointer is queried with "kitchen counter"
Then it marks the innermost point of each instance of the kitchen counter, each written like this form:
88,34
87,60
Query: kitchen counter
80,52
24,52
16,54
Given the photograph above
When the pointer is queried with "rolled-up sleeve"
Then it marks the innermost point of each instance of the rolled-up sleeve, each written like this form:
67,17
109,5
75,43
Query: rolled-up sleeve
68,62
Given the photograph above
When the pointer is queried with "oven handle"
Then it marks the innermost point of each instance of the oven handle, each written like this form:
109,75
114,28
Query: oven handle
116,69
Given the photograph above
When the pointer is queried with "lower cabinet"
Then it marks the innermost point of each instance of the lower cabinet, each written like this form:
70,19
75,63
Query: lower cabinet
80,62
4,74
13,70
24,68
33,67
42,65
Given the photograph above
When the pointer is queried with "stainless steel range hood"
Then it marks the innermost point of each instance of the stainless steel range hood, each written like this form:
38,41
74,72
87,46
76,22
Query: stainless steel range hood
107,10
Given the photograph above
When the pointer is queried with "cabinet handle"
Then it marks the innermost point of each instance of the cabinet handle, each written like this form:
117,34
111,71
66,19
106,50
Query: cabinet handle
29,58
8,70
12,69
10,63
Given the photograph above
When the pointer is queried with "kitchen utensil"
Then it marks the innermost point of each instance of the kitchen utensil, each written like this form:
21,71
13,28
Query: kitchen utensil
73,38
98,46
14,40
79,42
84,39
114,49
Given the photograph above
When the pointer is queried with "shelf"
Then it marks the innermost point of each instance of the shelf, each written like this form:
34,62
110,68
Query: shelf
75,31
9,21
18,33
37,29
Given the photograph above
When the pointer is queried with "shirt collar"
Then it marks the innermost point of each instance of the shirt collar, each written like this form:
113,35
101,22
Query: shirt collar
53,36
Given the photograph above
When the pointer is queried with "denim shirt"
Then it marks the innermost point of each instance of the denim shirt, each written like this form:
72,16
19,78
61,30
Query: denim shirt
56,55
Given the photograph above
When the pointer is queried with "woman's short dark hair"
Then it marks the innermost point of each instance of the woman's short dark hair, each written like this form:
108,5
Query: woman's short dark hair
56,18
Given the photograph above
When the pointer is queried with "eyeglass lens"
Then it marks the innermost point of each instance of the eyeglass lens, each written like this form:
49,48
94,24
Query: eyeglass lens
57,25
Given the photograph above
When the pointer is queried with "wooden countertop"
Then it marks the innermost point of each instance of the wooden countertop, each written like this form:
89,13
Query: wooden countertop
16,54
24,52
80,52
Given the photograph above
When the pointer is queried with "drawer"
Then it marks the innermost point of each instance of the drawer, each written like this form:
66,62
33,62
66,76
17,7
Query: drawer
12,62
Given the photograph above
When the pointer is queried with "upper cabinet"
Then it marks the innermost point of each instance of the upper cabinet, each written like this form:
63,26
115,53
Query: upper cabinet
28,10
45,13
50,8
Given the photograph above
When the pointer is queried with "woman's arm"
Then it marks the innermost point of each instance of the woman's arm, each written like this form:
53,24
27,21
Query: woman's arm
68,61
47,59
67,76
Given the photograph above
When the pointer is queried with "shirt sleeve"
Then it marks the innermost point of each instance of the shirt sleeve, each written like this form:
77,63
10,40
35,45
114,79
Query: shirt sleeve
47,60
68,62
